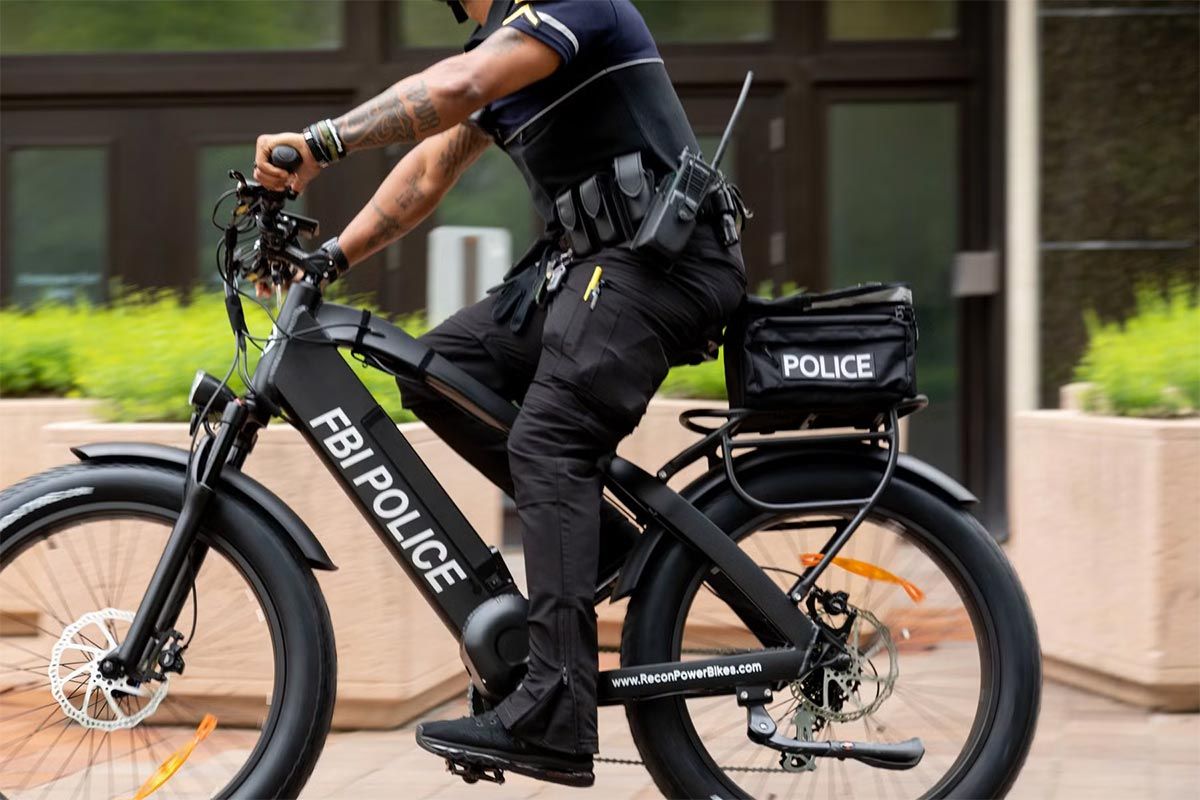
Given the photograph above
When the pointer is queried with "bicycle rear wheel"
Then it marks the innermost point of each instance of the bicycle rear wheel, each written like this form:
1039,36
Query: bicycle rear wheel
79,545
949,656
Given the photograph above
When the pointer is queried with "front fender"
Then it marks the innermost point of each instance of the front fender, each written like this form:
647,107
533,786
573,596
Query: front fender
908,470
246,489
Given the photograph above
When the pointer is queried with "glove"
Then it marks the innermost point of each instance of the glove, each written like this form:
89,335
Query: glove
328,261
515,297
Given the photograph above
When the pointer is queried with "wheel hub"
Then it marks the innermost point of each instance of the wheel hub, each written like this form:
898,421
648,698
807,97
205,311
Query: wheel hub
92,636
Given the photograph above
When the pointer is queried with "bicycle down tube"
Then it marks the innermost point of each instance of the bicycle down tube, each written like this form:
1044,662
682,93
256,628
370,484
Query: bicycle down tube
392,487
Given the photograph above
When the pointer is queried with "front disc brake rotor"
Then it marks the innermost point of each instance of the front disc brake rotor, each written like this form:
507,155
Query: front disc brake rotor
111,715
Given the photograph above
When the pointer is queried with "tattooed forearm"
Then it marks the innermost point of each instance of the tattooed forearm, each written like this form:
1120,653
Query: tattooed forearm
466,141
401,114
387,229
422,108
376,123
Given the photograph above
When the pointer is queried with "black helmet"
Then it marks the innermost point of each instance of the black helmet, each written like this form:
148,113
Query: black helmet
460,13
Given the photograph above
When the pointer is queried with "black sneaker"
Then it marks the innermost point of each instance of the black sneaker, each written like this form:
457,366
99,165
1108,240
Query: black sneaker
484,743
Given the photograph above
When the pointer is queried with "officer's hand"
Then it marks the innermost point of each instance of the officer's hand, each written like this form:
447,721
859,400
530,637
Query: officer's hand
275,178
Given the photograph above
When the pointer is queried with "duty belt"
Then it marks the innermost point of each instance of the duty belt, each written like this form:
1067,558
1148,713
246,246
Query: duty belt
606,209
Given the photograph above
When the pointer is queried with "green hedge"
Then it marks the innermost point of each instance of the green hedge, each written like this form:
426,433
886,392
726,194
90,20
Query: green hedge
138,354
1150,365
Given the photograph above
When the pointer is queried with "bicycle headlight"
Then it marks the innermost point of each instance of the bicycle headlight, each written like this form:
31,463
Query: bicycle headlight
204,388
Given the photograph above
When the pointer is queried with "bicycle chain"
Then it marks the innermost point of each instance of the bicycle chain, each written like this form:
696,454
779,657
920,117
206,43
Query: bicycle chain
633,762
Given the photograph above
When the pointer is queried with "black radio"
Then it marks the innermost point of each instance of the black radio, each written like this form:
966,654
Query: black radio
672,215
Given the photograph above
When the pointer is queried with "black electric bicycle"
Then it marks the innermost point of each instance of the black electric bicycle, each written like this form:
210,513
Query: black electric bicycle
766,650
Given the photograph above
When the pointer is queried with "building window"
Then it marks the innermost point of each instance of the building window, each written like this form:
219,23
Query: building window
57,226
884,20
421,23
108,26
698,21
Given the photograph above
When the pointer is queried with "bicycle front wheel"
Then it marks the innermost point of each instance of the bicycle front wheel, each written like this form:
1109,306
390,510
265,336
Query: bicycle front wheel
77,550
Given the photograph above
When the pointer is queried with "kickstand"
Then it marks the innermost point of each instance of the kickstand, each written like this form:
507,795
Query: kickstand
472,773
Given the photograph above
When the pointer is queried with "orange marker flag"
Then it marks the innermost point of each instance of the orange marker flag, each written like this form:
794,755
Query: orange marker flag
868,571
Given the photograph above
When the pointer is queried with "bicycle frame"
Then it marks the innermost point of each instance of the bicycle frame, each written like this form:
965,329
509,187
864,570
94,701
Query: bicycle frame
302,374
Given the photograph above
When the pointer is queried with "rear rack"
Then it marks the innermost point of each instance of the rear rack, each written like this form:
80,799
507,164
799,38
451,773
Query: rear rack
726,431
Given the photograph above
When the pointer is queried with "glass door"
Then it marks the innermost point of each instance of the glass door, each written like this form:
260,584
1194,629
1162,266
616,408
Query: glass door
892,199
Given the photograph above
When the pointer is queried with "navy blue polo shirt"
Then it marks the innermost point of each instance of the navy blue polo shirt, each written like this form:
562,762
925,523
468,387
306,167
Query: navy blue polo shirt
592,37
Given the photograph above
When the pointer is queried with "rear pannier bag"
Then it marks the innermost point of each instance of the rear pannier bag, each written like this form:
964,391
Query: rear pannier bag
850,351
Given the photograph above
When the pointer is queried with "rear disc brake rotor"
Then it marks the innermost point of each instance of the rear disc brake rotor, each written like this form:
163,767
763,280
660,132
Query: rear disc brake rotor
843,695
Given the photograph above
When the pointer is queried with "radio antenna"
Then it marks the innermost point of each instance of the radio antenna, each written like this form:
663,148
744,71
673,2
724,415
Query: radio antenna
737,110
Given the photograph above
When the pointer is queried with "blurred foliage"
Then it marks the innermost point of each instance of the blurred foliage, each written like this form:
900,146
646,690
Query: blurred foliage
1120,122
705,381
1149,366
37,353
95,26
421,23
139,353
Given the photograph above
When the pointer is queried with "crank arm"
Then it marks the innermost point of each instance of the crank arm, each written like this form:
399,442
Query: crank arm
761,728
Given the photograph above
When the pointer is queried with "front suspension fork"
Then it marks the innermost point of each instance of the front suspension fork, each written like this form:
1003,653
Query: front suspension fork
181,559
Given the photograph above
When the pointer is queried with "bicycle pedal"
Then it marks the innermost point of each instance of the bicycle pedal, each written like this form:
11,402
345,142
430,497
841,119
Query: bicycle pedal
473,773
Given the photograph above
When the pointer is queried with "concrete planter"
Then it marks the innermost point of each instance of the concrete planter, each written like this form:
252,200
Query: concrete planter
1104,519
21,422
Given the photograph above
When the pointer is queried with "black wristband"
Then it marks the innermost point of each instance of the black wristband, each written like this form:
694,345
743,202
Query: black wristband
316,147
328,134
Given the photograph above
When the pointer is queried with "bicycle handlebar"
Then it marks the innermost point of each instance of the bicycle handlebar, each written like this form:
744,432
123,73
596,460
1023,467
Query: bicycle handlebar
286,158
276,248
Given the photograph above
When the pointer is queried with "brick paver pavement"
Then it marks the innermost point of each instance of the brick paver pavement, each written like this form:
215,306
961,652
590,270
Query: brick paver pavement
1087,748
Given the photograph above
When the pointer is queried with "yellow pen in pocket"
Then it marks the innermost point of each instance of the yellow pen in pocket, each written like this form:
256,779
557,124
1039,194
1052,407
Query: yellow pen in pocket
593,284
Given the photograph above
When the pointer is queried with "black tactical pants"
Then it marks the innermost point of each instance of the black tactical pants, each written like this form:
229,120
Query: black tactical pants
583,377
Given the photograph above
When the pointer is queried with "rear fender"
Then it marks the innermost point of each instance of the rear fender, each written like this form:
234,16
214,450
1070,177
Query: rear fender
714,482
247,490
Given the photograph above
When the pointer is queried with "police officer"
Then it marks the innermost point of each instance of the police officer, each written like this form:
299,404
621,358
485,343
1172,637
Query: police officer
581,333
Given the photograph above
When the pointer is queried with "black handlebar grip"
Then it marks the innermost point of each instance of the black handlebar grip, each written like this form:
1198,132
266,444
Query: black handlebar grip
285,157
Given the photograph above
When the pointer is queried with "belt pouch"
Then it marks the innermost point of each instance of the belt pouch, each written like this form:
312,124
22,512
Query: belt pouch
599,209
574,225
634,190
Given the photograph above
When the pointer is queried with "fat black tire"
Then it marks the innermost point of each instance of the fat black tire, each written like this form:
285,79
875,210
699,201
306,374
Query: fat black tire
306,668
661,728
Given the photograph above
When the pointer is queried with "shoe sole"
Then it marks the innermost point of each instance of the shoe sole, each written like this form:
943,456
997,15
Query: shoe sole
494,759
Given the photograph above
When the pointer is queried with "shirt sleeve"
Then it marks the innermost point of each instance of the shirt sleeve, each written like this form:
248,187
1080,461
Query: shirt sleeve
568,26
